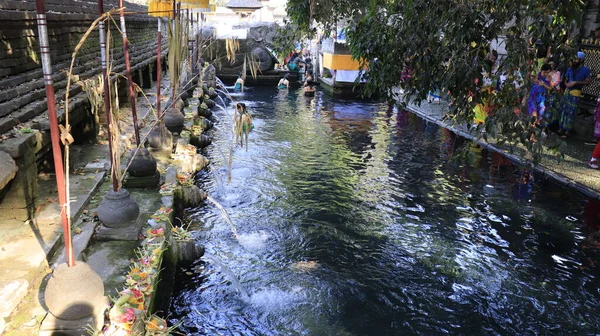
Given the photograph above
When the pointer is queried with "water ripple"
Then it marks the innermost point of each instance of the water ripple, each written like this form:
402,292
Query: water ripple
353,220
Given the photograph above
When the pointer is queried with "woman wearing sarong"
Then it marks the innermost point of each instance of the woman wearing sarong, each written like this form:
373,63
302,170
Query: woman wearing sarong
576,77
552,114
537,98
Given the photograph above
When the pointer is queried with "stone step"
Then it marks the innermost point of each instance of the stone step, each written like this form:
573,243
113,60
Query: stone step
28,112
11,293
8,169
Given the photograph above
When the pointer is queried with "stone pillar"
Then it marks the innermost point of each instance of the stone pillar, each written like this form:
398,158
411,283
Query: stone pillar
147,79
151,73
140,76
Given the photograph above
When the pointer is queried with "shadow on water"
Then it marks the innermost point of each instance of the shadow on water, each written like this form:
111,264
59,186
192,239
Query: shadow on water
357,220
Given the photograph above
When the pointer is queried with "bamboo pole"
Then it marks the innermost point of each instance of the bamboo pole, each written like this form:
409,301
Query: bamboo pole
158,70
115,178
128,72
173,84
198,25
54,131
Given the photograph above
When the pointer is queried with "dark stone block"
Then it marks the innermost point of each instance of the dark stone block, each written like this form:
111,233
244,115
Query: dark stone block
18,146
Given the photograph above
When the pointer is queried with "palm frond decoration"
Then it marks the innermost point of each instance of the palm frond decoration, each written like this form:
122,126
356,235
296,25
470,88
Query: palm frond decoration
177,42
231,46
251,63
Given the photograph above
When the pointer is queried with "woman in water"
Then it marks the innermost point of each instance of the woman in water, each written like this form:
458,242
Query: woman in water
239,84
284,83
309,86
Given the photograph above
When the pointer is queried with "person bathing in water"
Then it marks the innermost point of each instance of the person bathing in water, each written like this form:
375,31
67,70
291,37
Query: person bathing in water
284,83
309,86
239,84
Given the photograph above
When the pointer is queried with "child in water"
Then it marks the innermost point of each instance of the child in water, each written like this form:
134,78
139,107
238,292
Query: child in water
239,84
284,83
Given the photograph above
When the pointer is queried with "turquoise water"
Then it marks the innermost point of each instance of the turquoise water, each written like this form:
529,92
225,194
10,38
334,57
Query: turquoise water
354,219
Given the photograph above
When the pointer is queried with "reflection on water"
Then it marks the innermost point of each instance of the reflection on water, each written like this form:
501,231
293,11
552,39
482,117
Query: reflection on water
354,220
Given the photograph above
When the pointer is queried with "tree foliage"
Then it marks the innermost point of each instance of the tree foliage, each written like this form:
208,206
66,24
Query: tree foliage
285,39
445,43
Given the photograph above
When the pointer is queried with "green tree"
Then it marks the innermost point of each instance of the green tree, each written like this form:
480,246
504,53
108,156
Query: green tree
445,43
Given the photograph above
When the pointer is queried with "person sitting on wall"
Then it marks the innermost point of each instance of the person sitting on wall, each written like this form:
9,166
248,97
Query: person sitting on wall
239,84
293,63
284,83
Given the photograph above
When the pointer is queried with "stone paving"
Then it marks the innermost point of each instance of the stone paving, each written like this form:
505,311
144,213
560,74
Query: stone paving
571,171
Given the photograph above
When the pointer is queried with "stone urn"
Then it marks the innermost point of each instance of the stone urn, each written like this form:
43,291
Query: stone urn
160,137
73,293
205,123
184,95
200,141
118,209
174,120
212,93
210,103
203,111
142,164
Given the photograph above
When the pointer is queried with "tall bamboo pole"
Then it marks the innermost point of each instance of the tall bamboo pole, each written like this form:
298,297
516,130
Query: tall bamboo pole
193,52
198,25
115,178
129,80
158,70
54,132
173,84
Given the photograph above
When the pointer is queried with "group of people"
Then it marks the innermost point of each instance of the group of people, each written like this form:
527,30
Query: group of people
299,62
547,83
309,87
542,100
304,69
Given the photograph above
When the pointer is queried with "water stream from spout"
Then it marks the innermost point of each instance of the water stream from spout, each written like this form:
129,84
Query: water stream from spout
222,101
225,215
234,280
224,110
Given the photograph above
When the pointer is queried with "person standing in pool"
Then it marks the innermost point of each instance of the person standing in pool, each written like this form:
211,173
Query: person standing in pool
309,86
239,84
284,83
